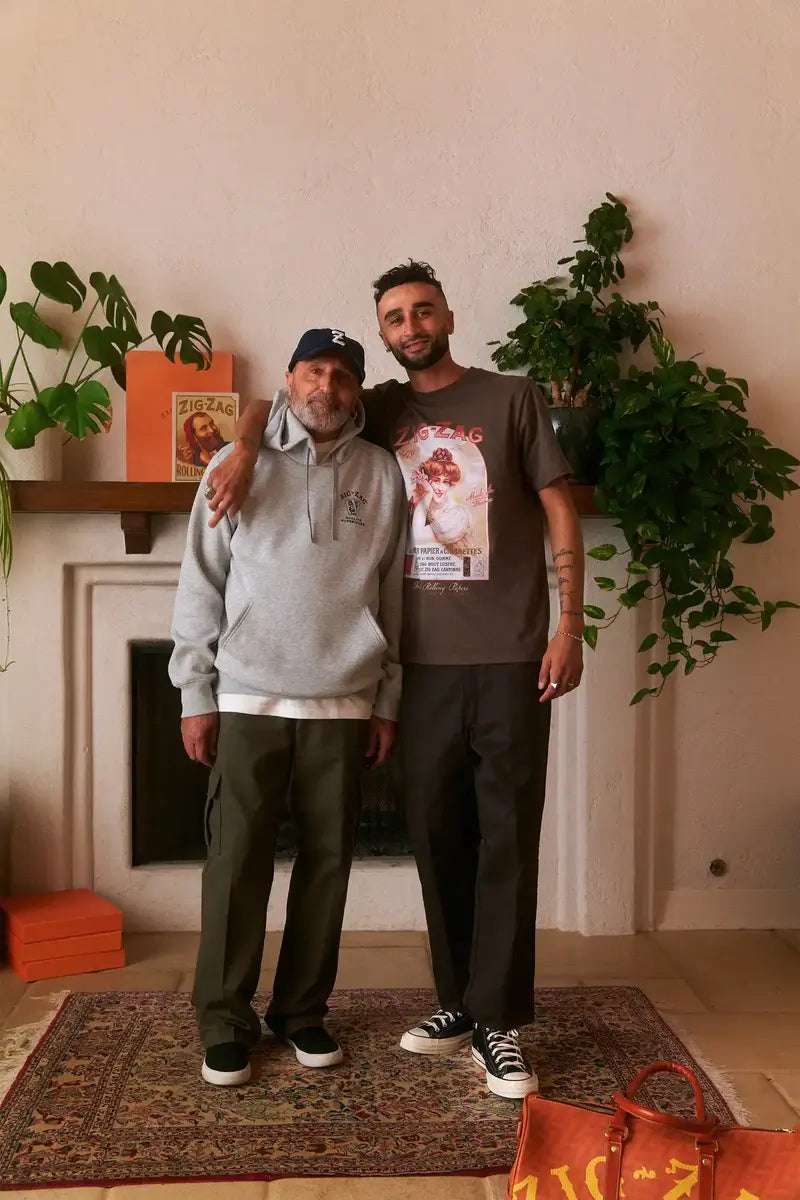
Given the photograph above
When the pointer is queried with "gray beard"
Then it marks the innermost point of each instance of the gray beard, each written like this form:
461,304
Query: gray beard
316,415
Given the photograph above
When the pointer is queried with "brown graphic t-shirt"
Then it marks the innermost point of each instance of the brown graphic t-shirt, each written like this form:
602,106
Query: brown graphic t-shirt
473,455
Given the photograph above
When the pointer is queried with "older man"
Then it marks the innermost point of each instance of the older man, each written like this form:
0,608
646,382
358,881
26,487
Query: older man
286,629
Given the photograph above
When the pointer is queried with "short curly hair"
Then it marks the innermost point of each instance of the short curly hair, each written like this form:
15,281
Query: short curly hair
410,272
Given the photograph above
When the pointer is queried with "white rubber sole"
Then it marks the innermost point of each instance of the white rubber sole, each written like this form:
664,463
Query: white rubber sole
317,1060
432,1046
225,1078
509,1089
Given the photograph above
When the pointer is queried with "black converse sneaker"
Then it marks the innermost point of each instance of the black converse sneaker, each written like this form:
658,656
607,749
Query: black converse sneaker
226,1065
441,1033
314,1047
507,1072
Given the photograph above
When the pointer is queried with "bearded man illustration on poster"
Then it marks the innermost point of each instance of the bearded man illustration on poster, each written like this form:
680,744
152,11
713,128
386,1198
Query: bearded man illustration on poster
448,493
202,423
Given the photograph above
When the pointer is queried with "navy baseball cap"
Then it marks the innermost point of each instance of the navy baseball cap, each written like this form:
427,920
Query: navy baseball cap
330,341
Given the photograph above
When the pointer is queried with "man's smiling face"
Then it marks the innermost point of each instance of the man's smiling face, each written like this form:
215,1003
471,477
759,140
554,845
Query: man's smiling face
415,324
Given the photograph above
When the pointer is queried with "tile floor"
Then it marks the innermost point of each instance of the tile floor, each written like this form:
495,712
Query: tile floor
735,994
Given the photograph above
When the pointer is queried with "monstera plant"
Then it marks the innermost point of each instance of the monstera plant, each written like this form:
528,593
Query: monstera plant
72,397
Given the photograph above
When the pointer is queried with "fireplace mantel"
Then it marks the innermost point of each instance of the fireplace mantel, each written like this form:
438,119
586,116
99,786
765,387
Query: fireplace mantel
136,503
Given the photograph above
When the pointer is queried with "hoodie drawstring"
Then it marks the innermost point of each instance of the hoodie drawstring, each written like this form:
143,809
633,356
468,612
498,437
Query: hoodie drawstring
335,473
334,495
308,495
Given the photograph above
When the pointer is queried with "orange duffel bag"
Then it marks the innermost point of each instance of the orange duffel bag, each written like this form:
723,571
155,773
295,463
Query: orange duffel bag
567,1152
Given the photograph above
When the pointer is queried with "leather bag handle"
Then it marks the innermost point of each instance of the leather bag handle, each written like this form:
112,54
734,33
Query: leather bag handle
626,1103
677,1069
701,1130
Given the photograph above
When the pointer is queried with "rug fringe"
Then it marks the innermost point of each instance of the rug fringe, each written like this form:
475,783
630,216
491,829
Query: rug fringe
17,1044
721,1081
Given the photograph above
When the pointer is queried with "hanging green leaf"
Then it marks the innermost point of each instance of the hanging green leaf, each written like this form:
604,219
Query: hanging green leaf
605,583
184,337
118,309
590,636
104,345
119,371
27,423
648,643
3,284
603,553
58,281
640,695
82,410
30,323
597,614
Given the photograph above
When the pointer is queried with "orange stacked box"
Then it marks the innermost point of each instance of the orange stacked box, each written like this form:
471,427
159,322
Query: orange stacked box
62,933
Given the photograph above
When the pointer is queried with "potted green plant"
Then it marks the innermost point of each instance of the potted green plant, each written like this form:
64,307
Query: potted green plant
74,403
685,476
575,332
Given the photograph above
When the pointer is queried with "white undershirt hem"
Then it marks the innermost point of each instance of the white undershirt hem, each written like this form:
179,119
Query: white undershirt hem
326,708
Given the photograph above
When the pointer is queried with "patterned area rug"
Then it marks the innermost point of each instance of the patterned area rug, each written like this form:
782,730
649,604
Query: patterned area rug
112,1093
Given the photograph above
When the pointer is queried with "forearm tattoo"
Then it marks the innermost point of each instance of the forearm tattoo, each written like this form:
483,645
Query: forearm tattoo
563,561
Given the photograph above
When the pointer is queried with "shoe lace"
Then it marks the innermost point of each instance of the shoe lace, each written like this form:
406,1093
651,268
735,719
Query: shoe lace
440,1020
503,1045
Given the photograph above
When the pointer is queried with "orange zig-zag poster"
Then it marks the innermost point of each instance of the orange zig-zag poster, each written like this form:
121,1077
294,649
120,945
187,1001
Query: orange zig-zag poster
151,381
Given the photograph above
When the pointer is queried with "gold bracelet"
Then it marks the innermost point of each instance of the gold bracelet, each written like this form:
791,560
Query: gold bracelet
574,636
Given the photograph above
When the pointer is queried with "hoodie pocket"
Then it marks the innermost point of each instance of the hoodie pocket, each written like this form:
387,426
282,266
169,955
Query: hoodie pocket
235,626
374,628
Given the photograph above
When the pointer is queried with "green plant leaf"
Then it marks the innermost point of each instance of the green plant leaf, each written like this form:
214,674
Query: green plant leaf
104,345
597,614
654,669
786,604
640,695
117,306
604,553
184,337
605,583
638,568
57,281
634,595
669,667
3,284
648,643
590,636
715,375
26,424
31,323
82,410
767,613
746,594
721,635
724,574
759,533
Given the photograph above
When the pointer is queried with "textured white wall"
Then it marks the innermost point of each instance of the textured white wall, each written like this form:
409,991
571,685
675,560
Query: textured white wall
260,163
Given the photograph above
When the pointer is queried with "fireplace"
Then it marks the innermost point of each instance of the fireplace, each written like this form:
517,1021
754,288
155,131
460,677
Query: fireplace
168,789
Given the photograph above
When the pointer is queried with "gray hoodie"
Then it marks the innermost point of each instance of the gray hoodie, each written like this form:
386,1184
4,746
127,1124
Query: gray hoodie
300,595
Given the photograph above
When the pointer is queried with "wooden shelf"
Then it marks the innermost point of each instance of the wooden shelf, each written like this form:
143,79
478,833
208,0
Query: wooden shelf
137,502
103,497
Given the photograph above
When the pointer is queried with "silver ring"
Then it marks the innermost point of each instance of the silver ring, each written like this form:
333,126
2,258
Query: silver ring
554,683
209,492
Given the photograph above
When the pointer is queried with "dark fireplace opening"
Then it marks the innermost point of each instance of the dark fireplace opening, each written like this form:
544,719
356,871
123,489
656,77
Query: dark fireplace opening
169,790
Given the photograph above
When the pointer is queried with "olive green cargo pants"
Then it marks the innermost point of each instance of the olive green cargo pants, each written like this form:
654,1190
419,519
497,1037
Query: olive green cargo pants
262,764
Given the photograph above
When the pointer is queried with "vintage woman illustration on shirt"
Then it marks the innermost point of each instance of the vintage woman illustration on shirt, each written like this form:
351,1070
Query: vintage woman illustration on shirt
448,495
